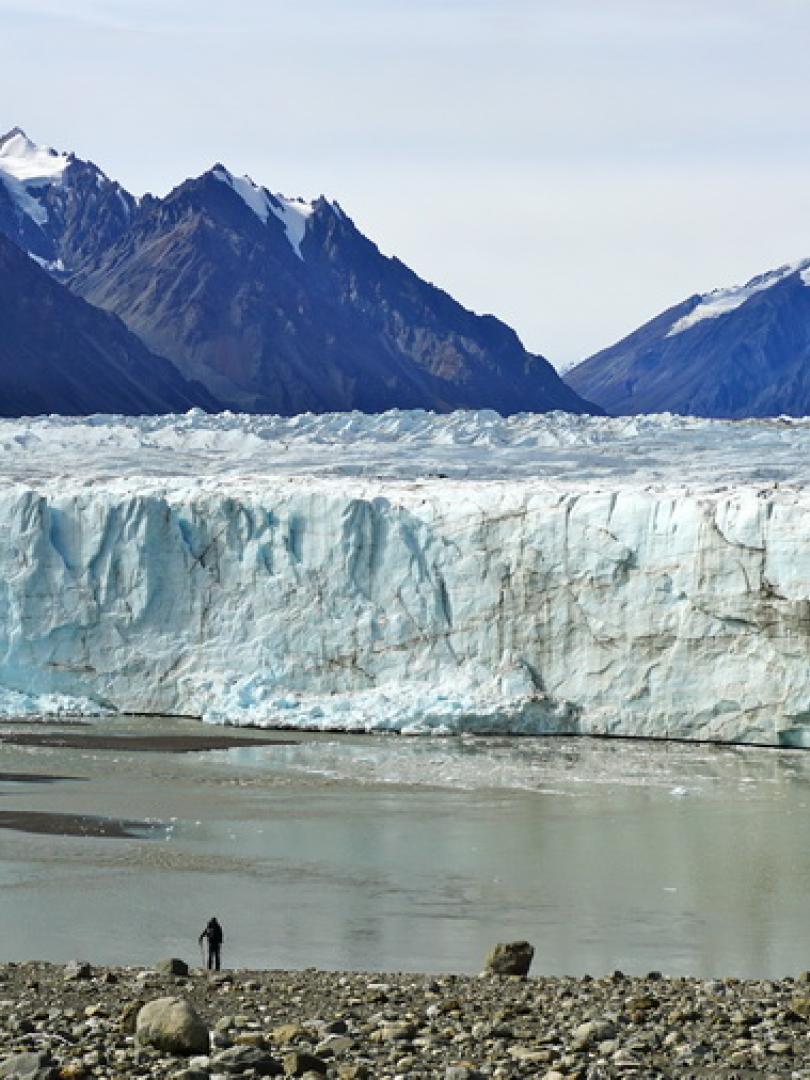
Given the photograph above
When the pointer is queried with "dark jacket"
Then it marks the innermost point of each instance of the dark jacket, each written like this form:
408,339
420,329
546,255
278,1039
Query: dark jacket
213,932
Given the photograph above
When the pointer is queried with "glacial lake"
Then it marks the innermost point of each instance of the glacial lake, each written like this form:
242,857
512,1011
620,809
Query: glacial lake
387,853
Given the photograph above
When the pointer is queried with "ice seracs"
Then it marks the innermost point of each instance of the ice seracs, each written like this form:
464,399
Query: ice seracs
411,572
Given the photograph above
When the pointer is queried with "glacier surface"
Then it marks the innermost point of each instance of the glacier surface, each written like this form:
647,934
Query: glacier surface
636,576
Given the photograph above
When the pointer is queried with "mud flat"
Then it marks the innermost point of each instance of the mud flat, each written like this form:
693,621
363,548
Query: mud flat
90,825
153,744
79,1020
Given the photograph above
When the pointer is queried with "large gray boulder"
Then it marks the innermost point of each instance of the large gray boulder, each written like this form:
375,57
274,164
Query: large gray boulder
510,958
172,1025
172,966
26,1066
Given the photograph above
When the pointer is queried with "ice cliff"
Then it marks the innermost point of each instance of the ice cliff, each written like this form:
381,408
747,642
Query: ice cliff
645,576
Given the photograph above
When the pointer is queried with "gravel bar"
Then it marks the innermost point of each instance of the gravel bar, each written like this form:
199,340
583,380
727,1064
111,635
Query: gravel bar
77,1021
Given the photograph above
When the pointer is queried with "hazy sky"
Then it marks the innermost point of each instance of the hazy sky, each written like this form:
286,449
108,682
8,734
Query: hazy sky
573,166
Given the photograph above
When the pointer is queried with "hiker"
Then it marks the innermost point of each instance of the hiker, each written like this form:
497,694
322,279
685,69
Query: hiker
214,938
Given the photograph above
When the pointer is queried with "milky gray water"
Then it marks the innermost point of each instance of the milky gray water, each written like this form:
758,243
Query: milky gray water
389,853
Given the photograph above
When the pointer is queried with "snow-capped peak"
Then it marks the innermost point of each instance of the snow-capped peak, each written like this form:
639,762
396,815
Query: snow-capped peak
292,213
26,169
257,198
29,164
722,301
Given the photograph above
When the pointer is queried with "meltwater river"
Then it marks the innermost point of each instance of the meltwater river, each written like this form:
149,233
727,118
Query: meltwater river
397,854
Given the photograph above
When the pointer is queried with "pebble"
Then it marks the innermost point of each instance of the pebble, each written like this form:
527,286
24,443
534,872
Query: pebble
77,1021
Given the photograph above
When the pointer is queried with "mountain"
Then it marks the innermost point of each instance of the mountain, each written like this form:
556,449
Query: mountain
284,306
60,354
273,304
731,353
59,209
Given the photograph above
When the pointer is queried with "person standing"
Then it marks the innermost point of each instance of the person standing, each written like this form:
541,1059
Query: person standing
213,936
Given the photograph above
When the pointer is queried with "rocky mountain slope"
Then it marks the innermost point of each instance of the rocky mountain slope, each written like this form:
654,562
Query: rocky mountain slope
273,304
60,354
731,353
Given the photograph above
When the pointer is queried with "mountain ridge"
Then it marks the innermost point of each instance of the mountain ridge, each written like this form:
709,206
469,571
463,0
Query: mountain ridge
273,304
728,354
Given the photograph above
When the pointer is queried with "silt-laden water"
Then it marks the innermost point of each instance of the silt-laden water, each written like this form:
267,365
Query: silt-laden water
388,853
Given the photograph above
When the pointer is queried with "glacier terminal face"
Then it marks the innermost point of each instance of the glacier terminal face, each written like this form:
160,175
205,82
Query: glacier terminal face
648,576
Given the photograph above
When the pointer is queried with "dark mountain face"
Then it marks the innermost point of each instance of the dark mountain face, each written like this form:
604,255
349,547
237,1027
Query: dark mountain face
729,354
273,305
279,307
60,354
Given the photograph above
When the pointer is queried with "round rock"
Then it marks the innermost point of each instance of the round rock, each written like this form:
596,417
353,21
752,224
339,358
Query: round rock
171,1024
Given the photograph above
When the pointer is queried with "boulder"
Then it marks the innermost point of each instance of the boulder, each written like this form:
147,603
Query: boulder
239,1059
298,1063
75,1070
27,1066
511,958
285,1034
333,1046
128,1017
334,1027
593,1032
172,1025
77,969
172,966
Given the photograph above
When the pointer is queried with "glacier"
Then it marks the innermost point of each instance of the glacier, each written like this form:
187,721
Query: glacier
640,576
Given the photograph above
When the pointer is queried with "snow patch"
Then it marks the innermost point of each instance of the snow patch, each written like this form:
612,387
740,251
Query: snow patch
51,265
723,301
23,160
292,213
26,203
255,197
27,169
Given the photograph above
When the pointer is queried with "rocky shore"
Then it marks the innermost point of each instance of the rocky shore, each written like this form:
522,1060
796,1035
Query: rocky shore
77,1021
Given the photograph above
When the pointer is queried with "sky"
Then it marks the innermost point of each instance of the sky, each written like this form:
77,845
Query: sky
571,166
